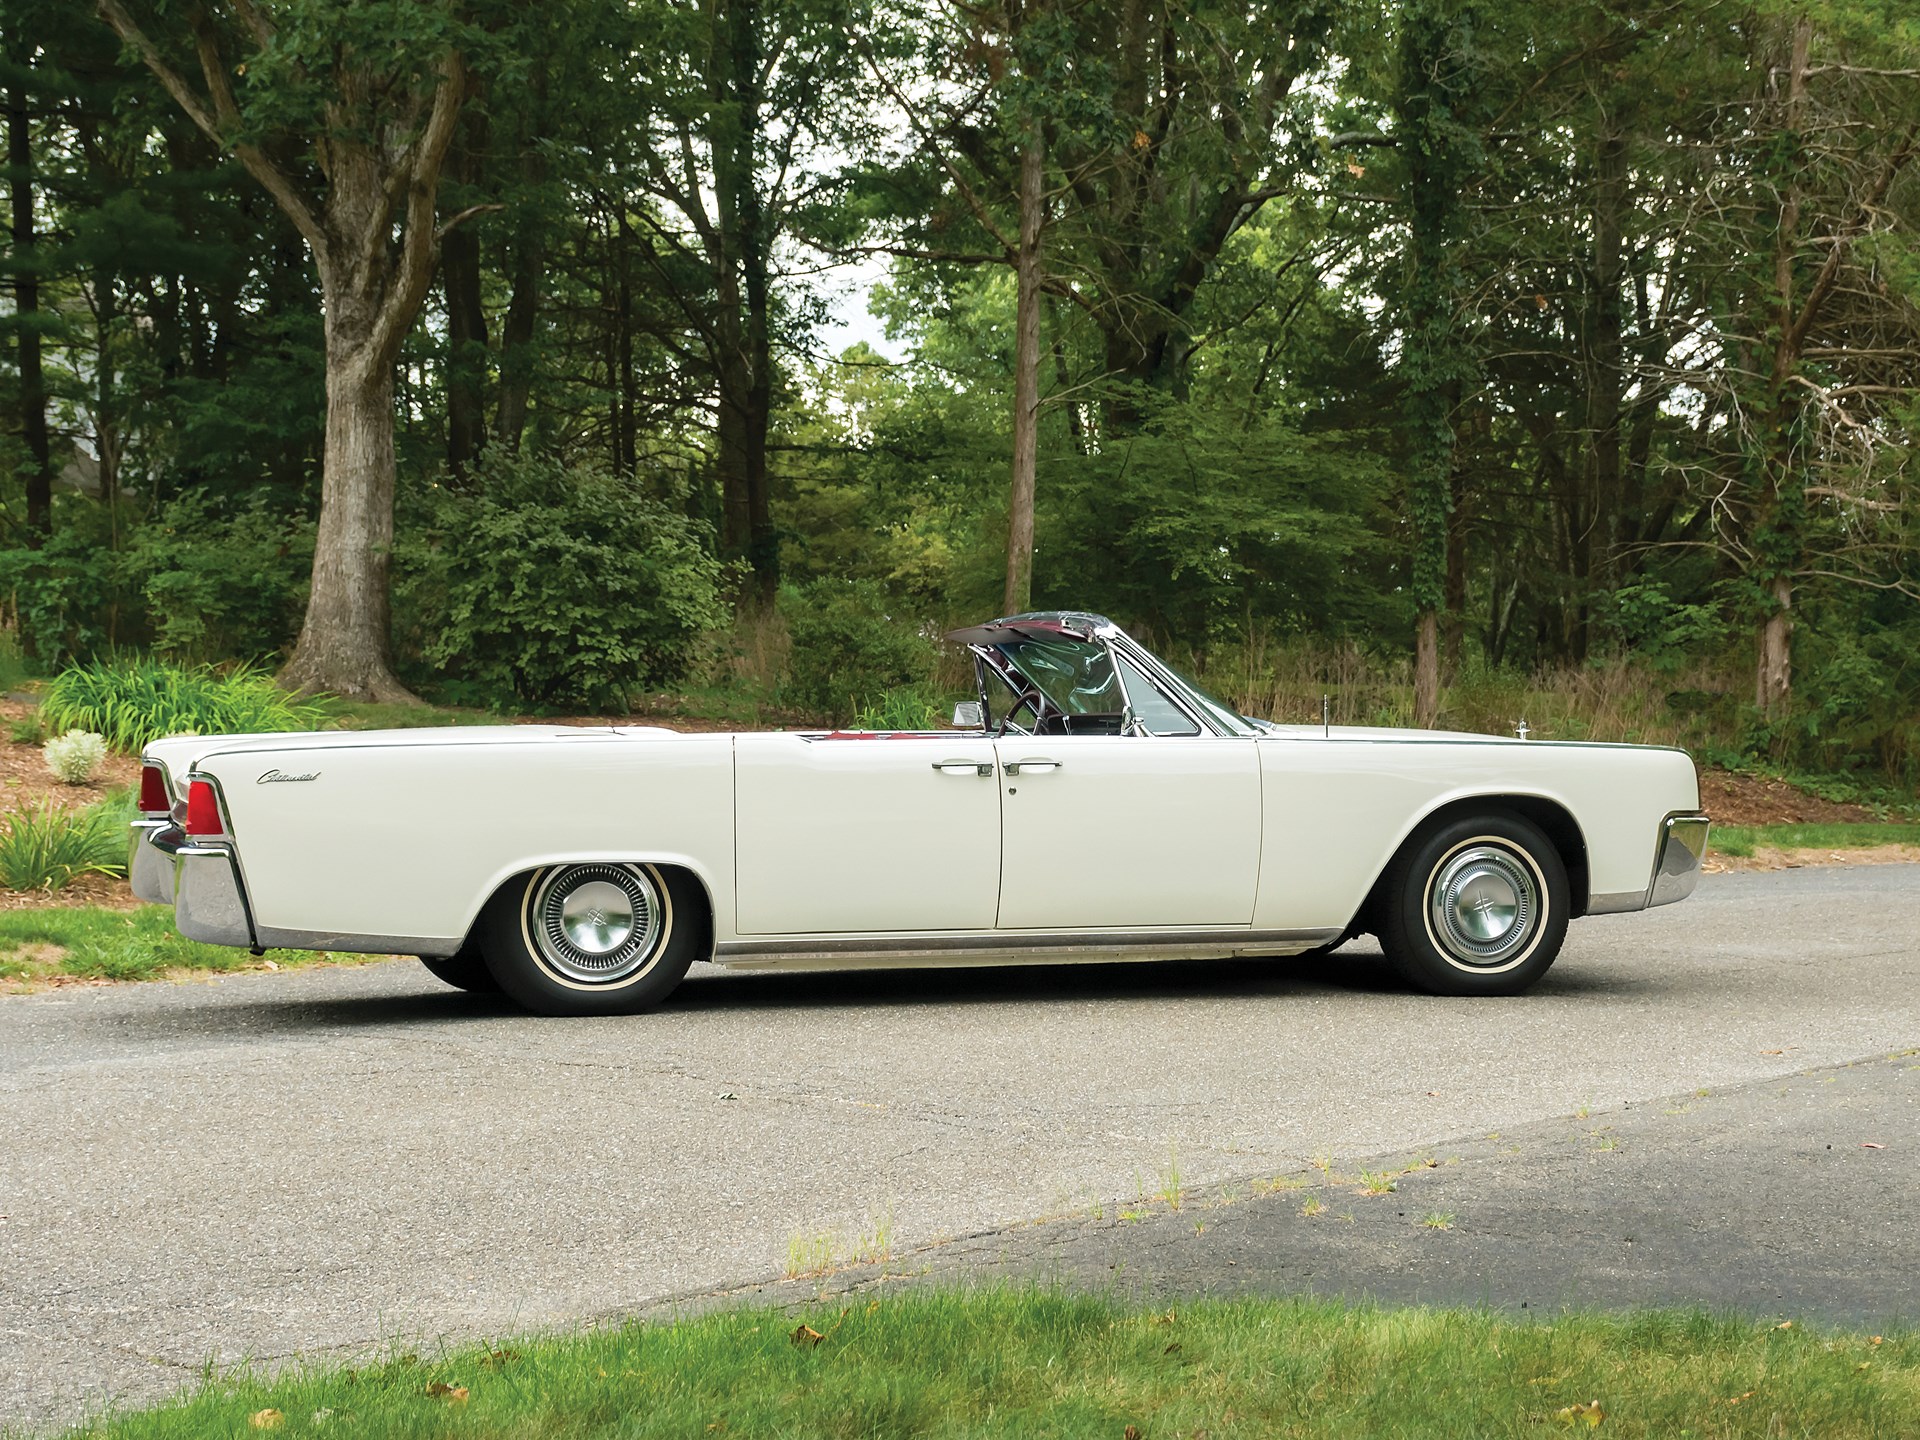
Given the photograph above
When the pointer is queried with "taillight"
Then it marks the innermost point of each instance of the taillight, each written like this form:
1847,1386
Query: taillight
203,809
154,799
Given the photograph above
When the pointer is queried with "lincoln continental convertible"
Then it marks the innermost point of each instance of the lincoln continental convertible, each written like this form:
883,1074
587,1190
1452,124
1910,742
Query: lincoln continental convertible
1089,804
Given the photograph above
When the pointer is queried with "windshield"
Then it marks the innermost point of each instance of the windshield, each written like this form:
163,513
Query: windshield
1076,675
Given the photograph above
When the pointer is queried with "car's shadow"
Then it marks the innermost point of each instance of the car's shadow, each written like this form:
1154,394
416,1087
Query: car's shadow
1359,971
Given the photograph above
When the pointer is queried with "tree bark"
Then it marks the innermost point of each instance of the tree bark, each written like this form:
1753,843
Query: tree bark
1426,670
1773,685
1026,376
466,352
26,304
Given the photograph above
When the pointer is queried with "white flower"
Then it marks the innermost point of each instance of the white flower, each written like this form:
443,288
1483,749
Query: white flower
74,756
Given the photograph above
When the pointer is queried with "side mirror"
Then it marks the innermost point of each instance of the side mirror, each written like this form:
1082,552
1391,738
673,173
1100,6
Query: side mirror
968,715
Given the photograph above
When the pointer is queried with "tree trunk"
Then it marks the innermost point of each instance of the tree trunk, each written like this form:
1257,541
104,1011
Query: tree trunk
516,341
1426,670
26,306
344,641
1774,683
466,352
1026,377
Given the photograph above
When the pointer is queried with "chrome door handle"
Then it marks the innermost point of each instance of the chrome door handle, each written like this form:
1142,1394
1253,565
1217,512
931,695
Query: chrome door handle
1014,767
963,767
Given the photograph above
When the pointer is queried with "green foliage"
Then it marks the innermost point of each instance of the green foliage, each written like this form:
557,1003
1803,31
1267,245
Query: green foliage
557,586
1743,840
63,595
903,708
43,846
131,700
217,586
849,646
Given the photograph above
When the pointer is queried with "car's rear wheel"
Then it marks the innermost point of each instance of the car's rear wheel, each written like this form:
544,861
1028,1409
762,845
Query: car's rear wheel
592,939
465,971
1476,905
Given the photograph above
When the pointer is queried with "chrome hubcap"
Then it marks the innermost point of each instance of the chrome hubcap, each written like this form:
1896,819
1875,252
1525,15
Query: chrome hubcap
1484,905
595,923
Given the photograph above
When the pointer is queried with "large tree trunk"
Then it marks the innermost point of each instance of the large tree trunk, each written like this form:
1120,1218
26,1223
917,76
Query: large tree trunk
466,352
1026,377
1773,686
1426,670
344,642
26,305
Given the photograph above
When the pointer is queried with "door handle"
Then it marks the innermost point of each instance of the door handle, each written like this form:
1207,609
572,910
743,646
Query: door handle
1014,767
963,767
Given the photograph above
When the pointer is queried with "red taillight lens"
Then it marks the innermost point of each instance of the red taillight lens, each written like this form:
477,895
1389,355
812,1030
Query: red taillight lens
154,799
203,809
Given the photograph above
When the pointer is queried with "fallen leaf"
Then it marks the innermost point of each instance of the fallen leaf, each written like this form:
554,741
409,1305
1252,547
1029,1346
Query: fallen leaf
1864,1365
1589,1412
452,1394
1746,1395
1871,1145
1784,1325
266,1419
1132,1432
497,1358
1875,1339
808,1336
1773,1052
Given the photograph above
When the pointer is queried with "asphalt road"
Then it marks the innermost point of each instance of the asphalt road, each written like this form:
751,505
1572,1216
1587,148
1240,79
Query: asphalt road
314,1161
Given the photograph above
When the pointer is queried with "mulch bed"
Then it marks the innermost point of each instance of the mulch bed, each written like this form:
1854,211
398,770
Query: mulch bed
1752,800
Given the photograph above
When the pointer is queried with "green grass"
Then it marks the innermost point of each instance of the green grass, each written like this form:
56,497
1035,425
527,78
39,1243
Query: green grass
1741,840
43,846
1013,1363
97,944
131,700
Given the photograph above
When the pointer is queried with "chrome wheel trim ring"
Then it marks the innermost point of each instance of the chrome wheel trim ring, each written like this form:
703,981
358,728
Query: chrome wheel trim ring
1486,904
591,926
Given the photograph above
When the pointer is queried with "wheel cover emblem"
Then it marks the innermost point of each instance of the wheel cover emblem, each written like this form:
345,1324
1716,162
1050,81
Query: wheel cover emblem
1483,905
595,923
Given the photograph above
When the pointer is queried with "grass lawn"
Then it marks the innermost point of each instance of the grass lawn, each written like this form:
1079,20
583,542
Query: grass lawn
1740,840
1029,1363
93,943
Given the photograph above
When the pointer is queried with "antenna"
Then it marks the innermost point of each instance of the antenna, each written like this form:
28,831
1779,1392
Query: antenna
1326,716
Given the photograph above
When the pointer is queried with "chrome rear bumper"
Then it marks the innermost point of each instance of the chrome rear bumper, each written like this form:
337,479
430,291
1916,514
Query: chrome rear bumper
201,882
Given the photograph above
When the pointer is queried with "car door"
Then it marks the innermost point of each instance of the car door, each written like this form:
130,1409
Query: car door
865,833
1128,831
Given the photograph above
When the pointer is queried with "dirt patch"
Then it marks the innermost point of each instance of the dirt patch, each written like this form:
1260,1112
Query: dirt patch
1774,857
1753,800
25,780
108,892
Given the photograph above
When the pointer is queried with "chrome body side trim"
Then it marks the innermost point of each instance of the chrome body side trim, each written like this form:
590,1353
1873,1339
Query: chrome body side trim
1063,948
1676,869
1620,903
434,946
149,866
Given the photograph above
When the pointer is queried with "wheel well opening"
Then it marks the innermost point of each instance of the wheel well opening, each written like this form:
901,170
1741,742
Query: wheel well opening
688,888
1552,818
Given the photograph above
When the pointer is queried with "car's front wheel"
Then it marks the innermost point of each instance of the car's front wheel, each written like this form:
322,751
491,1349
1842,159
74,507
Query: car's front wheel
1476,906
593,939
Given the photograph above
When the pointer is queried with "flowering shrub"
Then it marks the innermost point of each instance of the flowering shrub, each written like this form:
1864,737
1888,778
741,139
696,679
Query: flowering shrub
74,756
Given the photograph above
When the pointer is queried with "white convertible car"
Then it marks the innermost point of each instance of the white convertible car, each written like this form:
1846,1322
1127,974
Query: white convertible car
1090,805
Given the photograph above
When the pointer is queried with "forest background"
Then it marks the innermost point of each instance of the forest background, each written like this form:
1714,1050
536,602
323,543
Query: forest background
1462,361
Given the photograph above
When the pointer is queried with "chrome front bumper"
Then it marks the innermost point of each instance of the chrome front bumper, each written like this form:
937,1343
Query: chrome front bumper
201,882
1676,870
1678,851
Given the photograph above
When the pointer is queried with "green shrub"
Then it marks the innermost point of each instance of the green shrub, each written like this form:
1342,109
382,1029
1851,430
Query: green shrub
63,593
901,709
131,700
557,587
42,847
216,585
848,649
